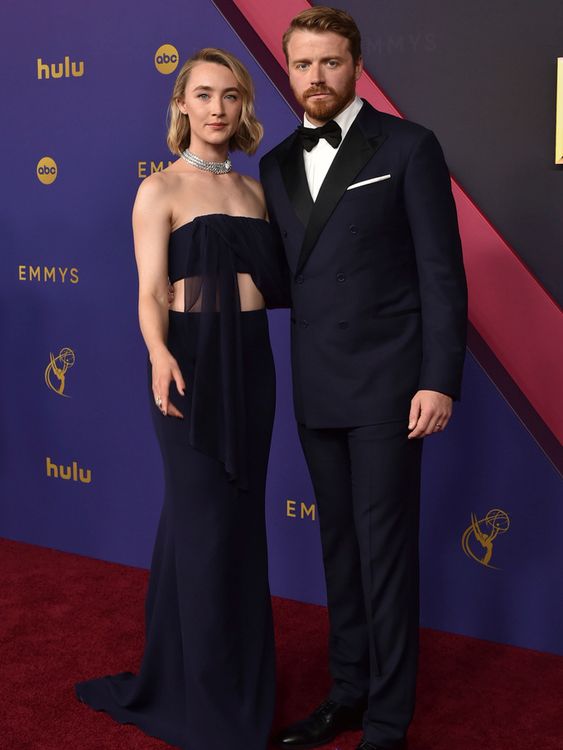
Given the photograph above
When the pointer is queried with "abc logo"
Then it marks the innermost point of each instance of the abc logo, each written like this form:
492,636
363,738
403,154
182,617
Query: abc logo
47,170
166,59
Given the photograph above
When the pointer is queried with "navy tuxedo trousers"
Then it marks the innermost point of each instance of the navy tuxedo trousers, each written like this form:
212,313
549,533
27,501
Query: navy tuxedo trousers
367,487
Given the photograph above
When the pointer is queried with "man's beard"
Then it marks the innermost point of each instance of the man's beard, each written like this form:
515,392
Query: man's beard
323,111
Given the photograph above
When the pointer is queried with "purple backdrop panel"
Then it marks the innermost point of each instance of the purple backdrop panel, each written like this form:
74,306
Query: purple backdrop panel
487,464
80,466
82,88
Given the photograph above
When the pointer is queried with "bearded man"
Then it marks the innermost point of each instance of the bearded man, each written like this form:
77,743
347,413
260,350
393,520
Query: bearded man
362,201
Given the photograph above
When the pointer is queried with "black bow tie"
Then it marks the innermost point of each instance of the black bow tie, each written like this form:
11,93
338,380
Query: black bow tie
331,131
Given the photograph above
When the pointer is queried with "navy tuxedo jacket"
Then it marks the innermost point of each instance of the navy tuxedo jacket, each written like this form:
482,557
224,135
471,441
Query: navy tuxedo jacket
378,291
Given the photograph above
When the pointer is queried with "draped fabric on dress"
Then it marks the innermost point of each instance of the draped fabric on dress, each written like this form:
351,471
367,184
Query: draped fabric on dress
219,248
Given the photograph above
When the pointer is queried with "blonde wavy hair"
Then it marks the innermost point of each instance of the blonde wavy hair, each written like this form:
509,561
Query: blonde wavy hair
249,132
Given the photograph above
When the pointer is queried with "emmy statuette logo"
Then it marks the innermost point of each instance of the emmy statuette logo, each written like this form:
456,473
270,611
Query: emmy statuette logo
166,59
56,370
47,170
65,69
478,538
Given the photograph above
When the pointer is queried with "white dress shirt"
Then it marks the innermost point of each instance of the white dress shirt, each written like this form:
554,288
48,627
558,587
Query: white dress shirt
319,159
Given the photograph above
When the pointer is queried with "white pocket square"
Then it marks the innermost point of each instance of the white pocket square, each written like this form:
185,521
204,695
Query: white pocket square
368,182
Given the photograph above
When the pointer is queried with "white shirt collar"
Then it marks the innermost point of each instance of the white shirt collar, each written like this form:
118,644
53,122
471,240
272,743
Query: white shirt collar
344,118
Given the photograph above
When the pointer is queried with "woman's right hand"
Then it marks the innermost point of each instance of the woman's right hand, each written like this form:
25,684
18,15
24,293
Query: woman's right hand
165,369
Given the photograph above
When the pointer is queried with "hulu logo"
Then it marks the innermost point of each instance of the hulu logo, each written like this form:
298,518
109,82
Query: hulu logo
72,472
65,69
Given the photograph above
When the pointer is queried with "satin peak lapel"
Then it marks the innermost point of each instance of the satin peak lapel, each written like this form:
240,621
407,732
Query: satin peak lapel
354,153
295,180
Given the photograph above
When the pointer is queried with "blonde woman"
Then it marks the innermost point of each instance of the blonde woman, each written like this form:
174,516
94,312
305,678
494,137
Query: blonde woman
207,675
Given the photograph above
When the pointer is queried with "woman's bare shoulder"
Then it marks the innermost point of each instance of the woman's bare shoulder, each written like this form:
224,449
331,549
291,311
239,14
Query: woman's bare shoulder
153,189
252,184
157,184
154,200
255,188
161,187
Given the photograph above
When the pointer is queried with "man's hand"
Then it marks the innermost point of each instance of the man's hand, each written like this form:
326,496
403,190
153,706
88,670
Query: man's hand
430,412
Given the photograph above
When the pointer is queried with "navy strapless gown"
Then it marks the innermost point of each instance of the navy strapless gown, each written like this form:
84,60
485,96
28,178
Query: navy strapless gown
206,680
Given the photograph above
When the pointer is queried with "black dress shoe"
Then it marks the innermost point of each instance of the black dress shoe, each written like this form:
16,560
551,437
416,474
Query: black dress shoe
322,726
365,745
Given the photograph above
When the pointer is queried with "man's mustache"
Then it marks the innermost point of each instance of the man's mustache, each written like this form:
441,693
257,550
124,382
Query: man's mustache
312,92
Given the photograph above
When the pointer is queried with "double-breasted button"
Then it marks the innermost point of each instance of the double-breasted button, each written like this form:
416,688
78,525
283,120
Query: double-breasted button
353,229
343,324
340,277
304,323
299,279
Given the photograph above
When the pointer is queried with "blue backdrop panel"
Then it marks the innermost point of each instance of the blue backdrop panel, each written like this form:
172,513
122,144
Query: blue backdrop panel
80,469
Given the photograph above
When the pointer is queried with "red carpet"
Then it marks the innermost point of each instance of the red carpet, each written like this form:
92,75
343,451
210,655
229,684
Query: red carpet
65,618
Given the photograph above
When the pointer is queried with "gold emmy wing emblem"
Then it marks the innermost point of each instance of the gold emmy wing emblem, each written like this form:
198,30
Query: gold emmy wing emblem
56,370
559,114
478,537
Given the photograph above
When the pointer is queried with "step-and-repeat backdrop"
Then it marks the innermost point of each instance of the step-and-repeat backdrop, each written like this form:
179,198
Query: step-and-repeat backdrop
85,91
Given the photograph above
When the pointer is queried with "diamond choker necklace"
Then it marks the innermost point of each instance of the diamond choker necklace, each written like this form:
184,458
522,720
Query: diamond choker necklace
217,167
